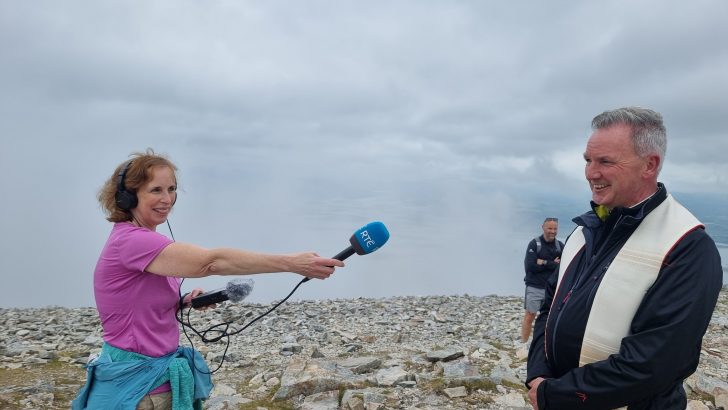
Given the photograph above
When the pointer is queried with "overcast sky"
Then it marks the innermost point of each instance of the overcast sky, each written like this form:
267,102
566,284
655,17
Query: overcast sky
295,123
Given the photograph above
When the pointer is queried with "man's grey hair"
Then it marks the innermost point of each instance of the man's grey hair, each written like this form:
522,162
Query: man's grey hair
648,132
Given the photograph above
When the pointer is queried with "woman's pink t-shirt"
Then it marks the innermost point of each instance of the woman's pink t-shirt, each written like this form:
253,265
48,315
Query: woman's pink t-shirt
136,308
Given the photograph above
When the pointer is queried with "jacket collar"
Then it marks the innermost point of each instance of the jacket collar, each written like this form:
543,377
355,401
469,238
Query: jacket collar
635,213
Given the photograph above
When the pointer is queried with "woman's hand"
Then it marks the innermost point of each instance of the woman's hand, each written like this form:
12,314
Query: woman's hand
187,300
311,265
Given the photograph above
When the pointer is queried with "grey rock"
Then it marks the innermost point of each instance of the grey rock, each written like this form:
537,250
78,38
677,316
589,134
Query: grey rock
381,353
369,398
696,405
454,392
512,401
361,365
321,401
292,348
225,402
391,376
456,373
701,382
504,373
316,353
309,376
721,400
445,355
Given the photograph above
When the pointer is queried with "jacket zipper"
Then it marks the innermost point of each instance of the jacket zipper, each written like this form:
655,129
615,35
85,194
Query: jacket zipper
595,278
563,303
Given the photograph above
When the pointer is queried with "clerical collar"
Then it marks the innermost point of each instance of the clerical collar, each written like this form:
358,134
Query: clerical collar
638,204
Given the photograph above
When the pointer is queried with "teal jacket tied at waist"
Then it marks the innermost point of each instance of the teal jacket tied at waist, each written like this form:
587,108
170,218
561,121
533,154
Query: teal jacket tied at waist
119,379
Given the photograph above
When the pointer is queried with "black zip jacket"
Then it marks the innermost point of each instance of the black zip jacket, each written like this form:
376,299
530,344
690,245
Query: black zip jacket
537,276
663,347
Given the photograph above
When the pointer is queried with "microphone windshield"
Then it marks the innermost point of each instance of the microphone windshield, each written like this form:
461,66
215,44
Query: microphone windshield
369,238
238,289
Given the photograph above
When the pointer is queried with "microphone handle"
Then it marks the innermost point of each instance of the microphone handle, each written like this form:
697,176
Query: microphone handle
209,298
339,256
344,254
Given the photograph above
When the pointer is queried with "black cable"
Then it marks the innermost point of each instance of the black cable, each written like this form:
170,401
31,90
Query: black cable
170,230
222,333
179,315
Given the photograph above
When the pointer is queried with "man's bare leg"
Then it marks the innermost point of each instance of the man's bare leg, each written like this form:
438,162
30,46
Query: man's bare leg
526,326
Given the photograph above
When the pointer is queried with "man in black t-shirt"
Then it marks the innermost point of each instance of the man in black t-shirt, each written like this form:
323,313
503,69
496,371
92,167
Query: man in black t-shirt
542,260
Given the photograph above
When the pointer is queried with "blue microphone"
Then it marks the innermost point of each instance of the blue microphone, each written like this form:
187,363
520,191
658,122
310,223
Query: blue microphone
365,240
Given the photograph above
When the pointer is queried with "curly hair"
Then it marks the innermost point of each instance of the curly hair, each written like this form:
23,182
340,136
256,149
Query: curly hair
137,174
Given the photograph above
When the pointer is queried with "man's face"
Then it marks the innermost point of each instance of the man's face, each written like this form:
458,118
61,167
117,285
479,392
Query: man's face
616,175
550,229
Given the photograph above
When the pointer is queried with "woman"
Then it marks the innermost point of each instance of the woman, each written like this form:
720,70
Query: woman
137,287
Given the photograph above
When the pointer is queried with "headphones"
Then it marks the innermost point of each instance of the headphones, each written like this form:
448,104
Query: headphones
125,200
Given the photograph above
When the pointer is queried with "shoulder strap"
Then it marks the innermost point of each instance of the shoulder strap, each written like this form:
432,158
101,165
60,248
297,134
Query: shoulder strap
538,245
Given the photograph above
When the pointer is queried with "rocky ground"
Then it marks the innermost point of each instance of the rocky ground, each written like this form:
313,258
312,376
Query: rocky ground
439,352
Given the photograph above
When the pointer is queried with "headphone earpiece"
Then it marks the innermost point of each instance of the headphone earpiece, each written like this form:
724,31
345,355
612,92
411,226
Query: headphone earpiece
125,200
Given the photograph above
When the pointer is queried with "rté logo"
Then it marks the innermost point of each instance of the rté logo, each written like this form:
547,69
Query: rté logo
368,241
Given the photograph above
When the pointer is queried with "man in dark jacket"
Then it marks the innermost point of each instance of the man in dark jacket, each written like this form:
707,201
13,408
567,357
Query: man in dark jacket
623,322
541,262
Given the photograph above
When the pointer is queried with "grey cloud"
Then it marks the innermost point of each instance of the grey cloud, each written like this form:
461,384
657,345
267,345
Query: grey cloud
293,124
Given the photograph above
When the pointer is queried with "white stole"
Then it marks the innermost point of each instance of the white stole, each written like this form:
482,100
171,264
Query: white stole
630,275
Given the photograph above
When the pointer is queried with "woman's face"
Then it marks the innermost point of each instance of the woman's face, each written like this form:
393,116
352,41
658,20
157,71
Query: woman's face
156,198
